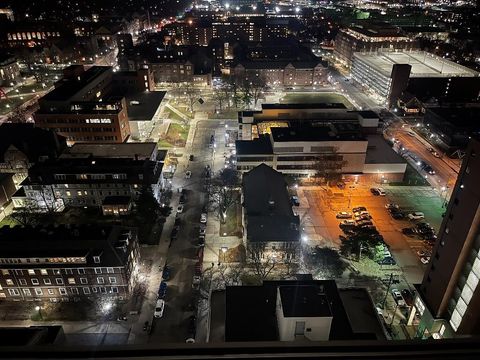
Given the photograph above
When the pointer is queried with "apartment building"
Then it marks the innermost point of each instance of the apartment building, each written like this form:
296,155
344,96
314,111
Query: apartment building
9,70
87,181
283,73
67,263
448,299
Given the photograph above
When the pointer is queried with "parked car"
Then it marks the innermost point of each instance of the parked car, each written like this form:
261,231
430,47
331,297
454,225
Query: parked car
201,240
360,213
180,209
203,218
183,199
388,260
348,223
191,158
159,308
202,231
396,214
364,222
344,215
427,168
174,233
359,208
407,296
425,260
166,273
416,215
436,154
410,231
162,290
341,185
188,174
391,206
363,217
397,296
378,191
295,200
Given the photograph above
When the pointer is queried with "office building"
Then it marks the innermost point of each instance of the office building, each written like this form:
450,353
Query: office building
268,220
369,37
92,105
387,75
448,299
67,263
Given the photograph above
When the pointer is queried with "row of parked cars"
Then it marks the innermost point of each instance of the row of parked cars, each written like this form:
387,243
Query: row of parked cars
403,298
398,213
162,292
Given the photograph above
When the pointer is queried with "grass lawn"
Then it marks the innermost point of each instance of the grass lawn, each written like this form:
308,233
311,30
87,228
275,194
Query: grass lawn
225,114
233,223
171,115
176,136
13,102
8,221
319,97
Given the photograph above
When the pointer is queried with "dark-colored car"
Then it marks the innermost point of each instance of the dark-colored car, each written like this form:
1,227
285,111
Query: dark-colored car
174,233
375,191
359,208
183,199
177,222
408,296
295,201
387,261
190,158
162,290
166,273
397,214
410,231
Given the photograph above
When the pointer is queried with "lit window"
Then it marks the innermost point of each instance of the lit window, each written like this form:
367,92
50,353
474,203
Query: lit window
71,281
31,272
43,271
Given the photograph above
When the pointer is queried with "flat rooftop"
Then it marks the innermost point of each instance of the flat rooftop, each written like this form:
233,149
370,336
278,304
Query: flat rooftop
262,145
311,134
423,64
134,150
148,103
380,152
68,88
306,106
304,301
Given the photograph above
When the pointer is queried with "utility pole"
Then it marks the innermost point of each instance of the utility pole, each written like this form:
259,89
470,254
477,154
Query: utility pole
390,282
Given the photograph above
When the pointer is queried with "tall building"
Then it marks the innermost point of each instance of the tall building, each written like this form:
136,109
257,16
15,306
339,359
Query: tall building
448,299
369,38
387,75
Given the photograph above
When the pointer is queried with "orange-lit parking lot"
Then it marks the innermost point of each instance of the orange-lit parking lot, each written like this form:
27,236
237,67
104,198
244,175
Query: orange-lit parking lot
319,206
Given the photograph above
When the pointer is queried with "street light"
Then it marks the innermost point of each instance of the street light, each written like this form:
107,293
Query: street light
38,308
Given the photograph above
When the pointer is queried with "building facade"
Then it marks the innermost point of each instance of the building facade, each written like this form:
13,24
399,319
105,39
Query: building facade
87,181
448,299
68,263
9,70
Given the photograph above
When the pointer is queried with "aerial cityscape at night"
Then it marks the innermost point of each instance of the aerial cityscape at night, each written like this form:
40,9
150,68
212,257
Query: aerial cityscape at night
241,179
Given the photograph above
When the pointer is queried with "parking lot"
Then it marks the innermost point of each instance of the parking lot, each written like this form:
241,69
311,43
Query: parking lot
320,205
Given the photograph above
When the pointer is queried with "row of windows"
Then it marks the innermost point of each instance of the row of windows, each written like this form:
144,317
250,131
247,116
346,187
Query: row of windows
63,291
32,35
59,281
80,271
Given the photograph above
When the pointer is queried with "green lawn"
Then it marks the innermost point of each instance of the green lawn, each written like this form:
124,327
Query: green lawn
233,223
412,178
319,97
12,102
176,136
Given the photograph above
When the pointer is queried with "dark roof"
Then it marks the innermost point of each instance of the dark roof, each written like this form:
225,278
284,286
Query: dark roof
380,152
149,103
63,241
262,145
257,319
280,64
458,116
33,142
27,336
268,210
368,114
311,134
304,301
308,106
70,87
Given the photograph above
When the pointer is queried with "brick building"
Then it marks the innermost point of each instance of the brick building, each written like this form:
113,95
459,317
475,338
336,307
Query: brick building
67,263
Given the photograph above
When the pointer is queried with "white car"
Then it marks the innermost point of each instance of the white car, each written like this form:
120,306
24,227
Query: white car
398,297
180,209
417,215
159,308
188,174
425,260
348,222
203,218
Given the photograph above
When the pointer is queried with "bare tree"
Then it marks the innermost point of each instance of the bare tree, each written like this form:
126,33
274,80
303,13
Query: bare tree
191,93
262,263
328,167
258,85
224,191
18,115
